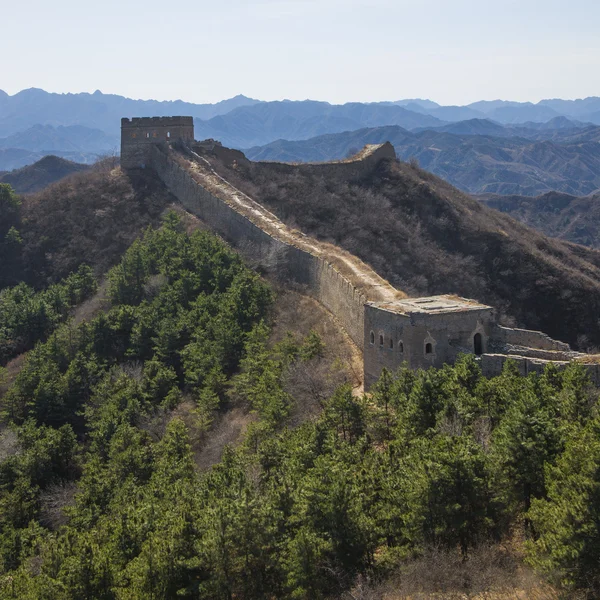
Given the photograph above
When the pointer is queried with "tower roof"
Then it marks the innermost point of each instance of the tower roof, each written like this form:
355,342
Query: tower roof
431,305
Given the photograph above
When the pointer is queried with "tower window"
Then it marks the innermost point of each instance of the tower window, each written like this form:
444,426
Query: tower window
381,340
372,338
391,344
401,347
428,348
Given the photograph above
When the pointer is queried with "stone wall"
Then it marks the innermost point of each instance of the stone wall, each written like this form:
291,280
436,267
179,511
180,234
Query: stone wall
352,168
492,365
529,339
140,134
392,338
294,265
341,282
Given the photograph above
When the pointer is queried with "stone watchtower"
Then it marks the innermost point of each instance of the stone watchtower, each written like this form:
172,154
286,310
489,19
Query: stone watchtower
424,332
139,134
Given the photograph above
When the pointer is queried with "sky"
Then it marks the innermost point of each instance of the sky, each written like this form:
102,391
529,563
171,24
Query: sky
451,51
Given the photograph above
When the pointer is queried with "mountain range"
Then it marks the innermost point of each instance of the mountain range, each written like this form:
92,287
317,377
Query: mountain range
478,156
485,147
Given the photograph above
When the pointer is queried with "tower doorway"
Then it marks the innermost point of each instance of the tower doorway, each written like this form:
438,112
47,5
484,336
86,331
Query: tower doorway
478,344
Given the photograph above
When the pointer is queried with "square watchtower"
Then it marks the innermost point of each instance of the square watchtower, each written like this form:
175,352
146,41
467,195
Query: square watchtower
139,134
423,332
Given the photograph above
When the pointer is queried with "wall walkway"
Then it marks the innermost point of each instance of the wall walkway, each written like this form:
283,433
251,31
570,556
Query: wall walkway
337,279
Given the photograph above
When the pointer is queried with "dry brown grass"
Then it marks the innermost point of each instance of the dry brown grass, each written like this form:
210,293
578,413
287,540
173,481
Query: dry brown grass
227,430
12,369
93,306
491,572
90,217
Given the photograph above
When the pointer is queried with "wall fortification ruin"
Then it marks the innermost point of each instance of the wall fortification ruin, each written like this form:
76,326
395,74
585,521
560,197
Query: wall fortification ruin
388,327
337,279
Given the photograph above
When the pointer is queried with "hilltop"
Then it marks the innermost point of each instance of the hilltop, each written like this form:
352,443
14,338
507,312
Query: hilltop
37,176
88,218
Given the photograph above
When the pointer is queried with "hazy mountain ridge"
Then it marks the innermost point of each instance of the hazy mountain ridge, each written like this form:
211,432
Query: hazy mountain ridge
79,127
100,111
261,123
17,158
550,159
69,138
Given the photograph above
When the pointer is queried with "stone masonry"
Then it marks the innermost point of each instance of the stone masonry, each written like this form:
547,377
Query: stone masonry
389,328
140,134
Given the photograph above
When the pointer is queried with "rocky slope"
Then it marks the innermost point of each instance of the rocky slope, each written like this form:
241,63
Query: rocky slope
572,218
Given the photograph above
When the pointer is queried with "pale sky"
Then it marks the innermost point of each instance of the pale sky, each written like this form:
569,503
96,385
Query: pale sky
451,51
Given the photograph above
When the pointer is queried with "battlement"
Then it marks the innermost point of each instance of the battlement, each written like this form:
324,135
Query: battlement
139,134
157,122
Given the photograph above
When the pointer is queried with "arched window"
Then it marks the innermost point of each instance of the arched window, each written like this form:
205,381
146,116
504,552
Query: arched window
381,340
148,135
372,338
478,344
391,344
401,346
428,348
168,134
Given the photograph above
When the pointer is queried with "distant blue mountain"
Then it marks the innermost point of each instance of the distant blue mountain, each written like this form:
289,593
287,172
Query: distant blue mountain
34,122
97,111
262,123
478,156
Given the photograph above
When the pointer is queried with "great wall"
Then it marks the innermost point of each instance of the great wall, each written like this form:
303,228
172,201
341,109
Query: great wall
389,328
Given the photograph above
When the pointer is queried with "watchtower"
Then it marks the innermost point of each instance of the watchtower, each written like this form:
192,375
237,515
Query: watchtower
139,134
423,332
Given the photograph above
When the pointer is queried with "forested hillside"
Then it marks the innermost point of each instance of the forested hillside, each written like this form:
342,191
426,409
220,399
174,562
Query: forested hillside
90,218
102,495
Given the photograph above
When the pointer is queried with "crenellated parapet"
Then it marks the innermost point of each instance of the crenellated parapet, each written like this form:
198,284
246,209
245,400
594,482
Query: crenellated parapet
139,134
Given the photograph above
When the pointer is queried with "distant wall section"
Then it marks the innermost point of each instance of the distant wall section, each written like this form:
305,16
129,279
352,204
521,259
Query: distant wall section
492,365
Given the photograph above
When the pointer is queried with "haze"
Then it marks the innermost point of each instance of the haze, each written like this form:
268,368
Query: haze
336,50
